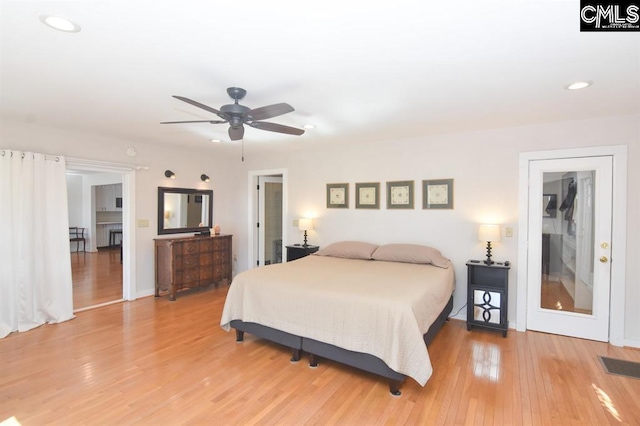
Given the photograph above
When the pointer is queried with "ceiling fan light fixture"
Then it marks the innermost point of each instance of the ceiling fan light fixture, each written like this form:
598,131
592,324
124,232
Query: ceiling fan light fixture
579,85
59,23
237,115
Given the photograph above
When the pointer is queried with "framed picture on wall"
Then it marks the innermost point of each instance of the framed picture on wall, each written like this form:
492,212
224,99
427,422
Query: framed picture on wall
337,195
368,195
437,194
400,194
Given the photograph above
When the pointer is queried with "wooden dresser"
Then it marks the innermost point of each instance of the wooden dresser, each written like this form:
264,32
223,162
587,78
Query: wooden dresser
190,262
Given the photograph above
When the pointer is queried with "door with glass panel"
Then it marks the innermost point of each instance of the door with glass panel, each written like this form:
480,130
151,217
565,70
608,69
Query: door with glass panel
569,239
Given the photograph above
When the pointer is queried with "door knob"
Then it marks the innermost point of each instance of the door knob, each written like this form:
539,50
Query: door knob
604,259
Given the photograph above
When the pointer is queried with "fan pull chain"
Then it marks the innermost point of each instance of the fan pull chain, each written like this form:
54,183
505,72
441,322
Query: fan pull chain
243,150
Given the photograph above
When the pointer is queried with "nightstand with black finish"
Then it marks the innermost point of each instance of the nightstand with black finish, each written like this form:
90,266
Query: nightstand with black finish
297,251
487,295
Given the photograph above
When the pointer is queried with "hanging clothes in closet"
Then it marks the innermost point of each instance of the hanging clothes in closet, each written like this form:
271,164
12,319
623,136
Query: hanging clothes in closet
568,204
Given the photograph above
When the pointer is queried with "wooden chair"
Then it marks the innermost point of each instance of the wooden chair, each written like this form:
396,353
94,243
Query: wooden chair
76,235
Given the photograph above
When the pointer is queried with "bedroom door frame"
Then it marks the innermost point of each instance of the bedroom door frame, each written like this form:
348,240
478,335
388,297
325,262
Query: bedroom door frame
128,213
253,203
262,213
581,232
618,232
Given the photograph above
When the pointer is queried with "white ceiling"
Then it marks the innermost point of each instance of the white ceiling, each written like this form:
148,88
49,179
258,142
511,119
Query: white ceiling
357,70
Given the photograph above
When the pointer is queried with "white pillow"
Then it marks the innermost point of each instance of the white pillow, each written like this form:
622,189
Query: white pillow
410,253
349,250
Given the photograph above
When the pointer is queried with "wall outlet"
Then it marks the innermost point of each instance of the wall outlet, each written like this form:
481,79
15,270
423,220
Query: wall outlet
508,231
143,223
295,223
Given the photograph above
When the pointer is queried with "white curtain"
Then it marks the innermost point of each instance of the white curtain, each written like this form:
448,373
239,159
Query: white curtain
35,262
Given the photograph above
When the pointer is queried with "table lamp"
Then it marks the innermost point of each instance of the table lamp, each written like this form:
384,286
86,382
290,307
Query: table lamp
489,233
305,225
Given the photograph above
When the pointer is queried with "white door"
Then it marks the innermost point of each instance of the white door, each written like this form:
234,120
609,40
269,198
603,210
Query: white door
569,235
269,220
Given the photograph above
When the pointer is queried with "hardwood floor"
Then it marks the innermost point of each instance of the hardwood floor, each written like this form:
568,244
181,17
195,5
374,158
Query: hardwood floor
156,362
97,277
554,296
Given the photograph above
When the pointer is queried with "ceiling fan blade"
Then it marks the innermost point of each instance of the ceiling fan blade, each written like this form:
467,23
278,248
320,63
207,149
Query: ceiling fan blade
236,133
203,106
273,127
269,111
195,121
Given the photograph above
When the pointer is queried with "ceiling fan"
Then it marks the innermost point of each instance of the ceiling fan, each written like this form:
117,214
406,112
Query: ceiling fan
237,115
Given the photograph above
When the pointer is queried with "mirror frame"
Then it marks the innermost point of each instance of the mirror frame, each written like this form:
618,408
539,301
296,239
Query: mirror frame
188,191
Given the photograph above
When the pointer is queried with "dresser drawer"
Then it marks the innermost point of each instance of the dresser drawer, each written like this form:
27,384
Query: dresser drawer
184,262
206,259
183,248
191,262
190,247
206,245
188,277
206,276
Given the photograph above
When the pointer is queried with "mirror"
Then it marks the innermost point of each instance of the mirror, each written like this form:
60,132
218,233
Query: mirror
183,210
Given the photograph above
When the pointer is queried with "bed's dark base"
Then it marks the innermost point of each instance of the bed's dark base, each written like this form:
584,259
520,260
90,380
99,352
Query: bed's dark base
317,349
286,339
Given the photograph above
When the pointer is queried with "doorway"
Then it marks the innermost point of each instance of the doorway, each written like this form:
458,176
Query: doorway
96,264
267,217
572,222
571,241
121,263
269,220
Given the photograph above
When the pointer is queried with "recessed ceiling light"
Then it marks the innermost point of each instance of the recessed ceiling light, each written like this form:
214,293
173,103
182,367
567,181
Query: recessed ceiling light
216,140
579,85
59,23
309,126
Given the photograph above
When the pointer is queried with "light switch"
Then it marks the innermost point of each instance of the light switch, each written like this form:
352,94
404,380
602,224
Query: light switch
295,223
143,223
508,231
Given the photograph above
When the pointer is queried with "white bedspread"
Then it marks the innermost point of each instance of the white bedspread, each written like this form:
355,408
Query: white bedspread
374,307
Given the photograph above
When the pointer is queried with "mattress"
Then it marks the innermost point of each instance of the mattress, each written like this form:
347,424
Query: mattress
368,306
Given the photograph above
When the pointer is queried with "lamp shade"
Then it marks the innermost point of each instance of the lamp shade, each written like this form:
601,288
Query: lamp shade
305,224
489,233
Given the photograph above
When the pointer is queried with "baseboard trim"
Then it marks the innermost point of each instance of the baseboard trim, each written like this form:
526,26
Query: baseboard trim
145,294
100,305
631,343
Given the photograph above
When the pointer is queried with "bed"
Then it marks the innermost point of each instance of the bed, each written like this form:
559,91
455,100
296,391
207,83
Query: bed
371,307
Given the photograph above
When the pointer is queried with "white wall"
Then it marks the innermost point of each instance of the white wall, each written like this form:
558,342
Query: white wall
74,199
484,166
188,164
